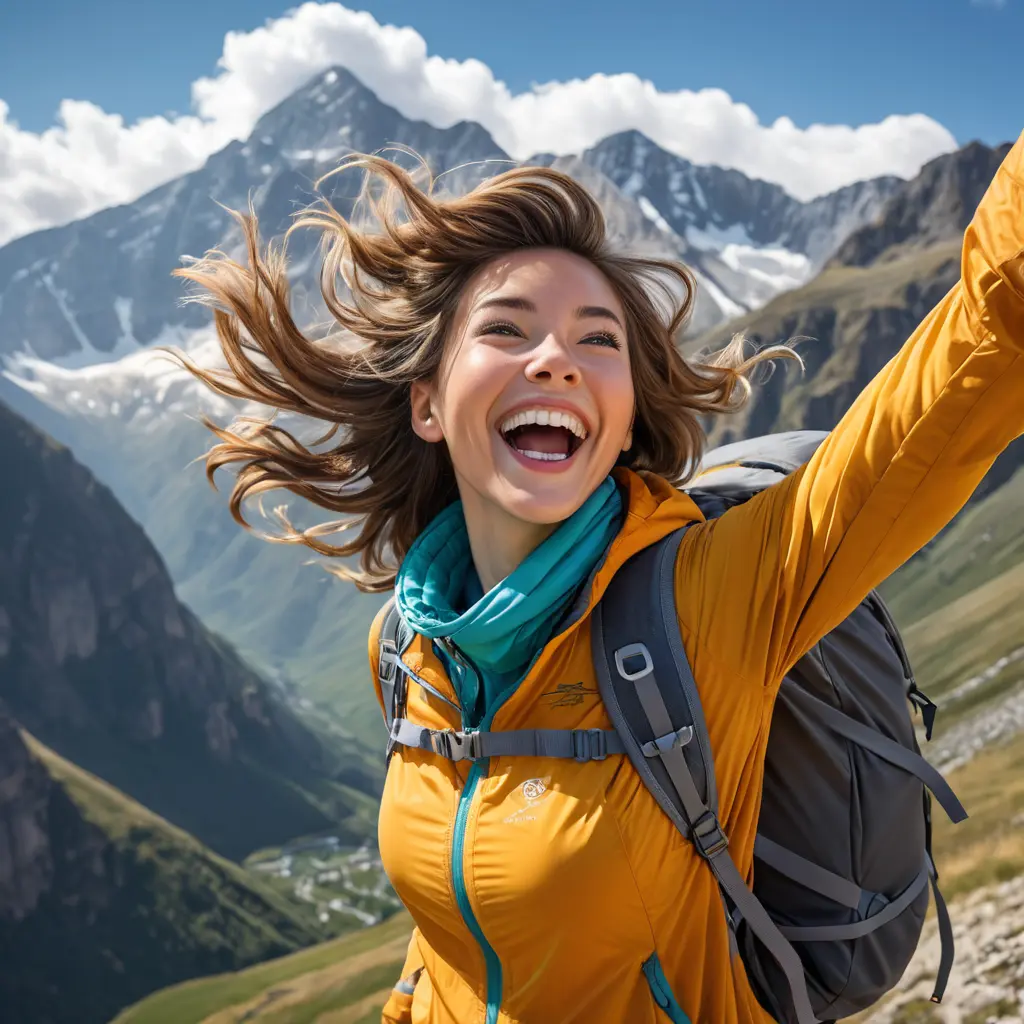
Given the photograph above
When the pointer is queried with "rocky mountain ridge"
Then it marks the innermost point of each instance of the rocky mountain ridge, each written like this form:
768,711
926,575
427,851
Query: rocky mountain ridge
100,661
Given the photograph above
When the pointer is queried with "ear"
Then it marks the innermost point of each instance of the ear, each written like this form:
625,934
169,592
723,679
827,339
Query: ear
425,423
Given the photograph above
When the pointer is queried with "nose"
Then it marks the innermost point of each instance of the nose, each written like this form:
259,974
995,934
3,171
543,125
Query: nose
552,362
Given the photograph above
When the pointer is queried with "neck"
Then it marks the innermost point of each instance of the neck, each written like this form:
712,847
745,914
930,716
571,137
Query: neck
499,542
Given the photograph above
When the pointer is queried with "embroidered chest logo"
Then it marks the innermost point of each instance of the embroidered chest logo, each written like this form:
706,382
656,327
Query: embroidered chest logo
568,695
528,795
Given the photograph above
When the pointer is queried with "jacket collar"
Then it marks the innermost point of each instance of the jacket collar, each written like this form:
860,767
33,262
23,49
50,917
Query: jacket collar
654,509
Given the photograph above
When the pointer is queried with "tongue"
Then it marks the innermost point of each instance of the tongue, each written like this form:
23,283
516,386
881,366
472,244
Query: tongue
535,438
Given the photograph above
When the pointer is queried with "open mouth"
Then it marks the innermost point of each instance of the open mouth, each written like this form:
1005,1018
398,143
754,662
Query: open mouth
543,435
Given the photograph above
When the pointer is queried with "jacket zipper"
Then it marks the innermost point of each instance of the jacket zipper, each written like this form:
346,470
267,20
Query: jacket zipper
661,990
476,772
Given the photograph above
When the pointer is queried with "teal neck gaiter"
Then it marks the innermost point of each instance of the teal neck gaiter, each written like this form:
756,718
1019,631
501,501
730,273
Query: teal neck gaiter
501,632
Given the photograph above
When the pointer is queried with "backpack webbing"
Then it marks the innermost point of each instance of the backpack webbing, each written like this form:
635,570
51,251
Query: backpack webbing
649,691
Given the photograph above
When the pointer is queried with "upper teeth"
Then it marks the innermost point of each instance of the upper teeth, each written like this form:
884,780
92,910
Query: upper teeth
544,418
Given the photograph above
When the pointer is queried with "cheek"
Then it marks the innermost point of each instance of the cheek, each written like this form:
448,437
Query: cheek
473,377
473,385
617,400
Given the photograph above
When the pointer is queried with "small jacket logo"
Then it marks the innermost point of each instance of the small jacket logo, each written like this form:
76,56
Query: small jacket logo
568,695
534,789
532,792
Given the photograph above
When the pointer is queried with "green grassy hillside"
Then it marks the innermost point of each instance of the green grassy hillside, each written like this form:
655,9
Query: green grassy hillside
377,953
114,901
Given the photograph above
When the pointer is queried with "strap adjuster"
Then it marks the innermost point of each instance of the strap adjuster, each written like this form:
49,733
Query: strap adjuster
634,662
708,836
663,744
456,746
387,661
589,745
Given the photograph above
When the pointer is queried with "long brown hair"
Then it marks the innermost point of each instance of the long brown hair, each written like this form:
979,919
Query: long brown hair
405,275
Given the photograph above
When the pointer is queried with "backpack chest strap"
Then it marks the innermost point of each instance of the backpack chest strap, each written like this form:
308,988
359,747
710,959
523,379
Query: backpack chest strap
570,744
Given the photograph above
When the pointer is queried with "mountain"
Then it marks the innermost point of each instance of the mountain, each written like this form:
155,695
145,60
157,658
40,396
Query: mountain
348,981
102,901
102,663
101,286
853,317
766,240
934,207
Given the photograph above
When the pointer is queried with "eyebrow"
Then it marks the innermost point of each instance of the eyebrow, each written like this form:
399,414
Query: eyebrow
518,302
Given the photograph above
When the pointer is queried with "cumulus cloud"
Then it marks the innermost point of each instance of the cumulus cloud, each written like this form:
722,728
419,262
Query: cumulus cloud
91,159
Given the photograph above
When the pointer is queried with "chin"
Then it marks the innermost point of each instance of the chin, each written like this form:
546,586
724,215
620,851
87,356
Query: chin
543,506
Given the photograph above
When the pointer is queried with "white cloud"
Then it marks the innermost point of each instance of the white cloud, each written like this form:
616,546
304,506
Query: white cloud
91,159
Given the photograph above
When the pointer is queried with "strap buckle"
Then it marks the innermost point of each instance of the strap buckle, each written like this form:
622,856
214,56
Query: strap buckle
589,745
387,661
456,746
707,835
663,744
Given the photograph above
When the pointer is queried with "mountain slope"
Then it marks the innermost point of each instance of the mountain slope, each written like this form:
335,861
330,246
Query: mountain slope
986,540
713,207
100,661
102,901
851,319
935,206
102,285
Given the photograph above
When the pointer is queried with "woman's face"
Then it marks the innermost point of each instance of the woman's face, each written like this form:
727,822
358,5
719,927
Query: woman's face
534,397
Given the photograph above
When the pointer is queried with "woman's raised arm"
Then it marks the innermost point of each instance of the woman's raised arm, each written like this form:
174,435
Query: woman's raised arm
758,587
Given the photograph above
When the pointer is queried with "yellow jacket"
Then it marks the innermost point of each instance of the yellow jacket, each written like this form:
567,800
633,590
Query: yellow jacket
573,873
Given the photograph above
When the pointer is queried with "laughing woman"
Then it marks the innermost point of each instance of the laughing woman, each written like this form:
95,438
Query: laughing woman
509,422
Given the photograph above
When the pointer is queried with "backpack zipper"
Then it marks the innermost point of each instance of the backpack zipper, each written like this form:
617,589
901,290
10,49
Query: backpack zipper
476,772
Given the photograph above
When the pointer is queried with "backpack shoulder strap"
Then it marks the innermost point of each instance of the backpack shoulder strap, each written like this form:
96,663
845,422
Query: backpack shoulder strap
651,697
392,641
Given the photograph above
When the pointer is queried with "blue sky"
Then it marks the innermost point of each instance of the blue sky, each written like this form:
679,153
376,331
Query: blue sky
103,100
832,61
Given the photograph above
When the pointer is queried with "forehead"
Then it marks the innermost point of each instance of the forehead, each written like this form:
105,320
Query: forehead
548,277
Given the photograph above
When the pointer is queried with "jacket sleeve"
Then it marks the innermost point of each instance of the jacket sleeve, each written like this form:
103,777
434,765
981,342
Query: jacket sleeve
398,1008
760,586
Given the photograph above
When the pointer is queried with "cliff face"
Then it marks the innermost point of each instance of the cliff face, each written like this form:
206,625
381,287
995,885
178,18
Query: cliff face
100,661
26,855
934,207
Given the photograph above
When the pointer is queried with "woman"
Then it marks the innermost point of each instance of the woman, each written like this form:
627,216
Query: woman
508,427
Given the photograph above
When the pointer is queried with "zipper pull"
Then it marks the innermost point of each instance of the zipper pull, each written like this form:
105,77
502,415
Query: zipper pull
926,706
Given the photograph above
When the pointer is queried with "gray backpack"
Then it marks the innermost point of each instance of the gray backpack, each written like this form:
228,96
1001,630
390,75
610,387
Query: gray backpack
843,851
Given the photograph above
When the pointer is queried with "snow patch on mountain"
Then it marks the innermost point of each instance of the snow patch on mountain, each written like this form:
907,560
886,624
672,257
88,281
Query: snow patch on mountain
728,307
132,385
652,215
759,272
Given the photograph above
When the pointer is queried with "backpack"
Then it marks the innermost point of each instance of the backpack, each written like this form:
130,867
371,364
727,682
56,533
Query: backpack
843,850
